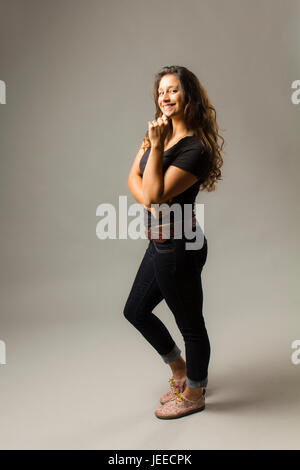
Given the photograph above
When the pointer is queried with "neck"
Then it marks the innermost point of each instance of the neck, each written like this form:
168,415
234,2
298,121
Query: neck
180,129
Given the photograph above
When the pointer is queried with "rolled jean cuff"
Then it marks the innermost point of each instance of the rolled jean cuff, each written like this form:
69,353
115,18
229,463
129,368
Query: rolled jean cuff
194,384
172,355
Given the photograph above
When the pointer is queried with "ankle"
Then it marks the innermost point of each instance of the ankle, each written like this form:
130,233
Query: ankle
178,368
179,372
179,375
193,393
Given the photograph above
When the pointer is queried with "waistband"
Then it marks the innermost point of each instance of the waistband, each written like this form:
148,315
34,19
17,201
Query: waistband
158,232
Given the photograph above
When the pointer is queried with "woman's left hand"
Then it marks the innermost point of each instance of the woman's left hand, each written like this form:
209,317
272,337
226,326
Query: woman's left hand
157,131
154,211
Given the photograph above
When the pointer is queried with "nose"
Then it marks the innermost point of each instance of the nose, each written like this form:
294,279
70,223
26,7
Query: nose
165,100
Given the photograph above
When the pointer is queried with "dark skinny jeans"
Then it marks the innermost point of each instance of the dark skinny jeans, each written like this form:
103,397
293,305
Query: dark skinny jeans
170,271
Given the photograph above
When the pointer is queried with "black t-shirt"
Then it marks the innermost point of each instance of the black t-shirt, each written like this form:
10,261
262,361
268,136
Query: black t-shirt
188,154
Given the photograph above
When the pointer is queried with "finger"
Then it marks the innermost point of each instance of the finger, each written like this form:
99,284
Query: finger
164,123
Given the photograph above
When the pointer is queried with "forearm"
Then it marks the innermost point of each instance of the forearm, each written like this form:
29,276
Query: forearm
153,180
136,189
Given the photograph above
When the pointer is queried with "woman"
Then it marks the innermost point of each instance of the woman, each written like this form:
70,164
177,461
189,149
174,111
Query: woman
180,155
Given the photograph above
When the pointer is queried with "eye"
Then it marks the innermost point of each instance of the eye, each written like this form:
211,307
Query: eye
160,92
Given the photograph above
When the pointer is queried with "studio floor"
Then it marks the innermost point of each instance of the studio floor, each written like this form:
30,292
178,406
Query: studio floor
94,384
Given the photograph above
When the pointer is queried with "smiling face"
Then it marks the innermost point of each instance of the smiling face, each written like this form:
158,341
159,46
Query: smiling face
170,96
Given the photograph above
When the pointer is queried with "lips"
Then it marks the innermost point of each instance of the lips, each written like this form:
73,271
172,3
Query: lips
168,106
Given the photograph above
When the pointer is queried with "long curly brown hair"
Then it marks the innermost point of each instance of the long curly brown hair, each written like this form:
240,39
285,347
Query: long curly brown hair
199,116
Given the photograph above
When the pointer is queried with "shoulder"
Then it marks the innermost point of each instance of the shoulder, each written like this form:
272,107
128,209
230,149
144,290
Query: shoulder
193,156
192,143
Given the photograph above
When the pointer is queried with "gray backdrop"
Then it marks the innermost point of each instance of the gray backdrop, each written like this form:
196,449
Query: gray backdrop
79,81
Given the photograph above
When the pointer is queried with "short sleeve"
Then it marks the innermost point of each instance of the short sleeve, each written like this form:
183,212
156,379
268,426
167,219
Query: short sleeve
195,160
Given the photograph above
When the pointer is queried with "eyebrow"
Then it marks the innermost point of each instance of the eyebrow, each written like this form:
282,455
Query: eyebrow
171,86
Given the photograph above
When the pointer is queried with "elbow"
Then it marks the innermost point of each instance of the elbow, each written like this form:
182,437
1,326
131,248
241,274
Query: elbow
152,200
152,196
149,198
147,202
146,197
